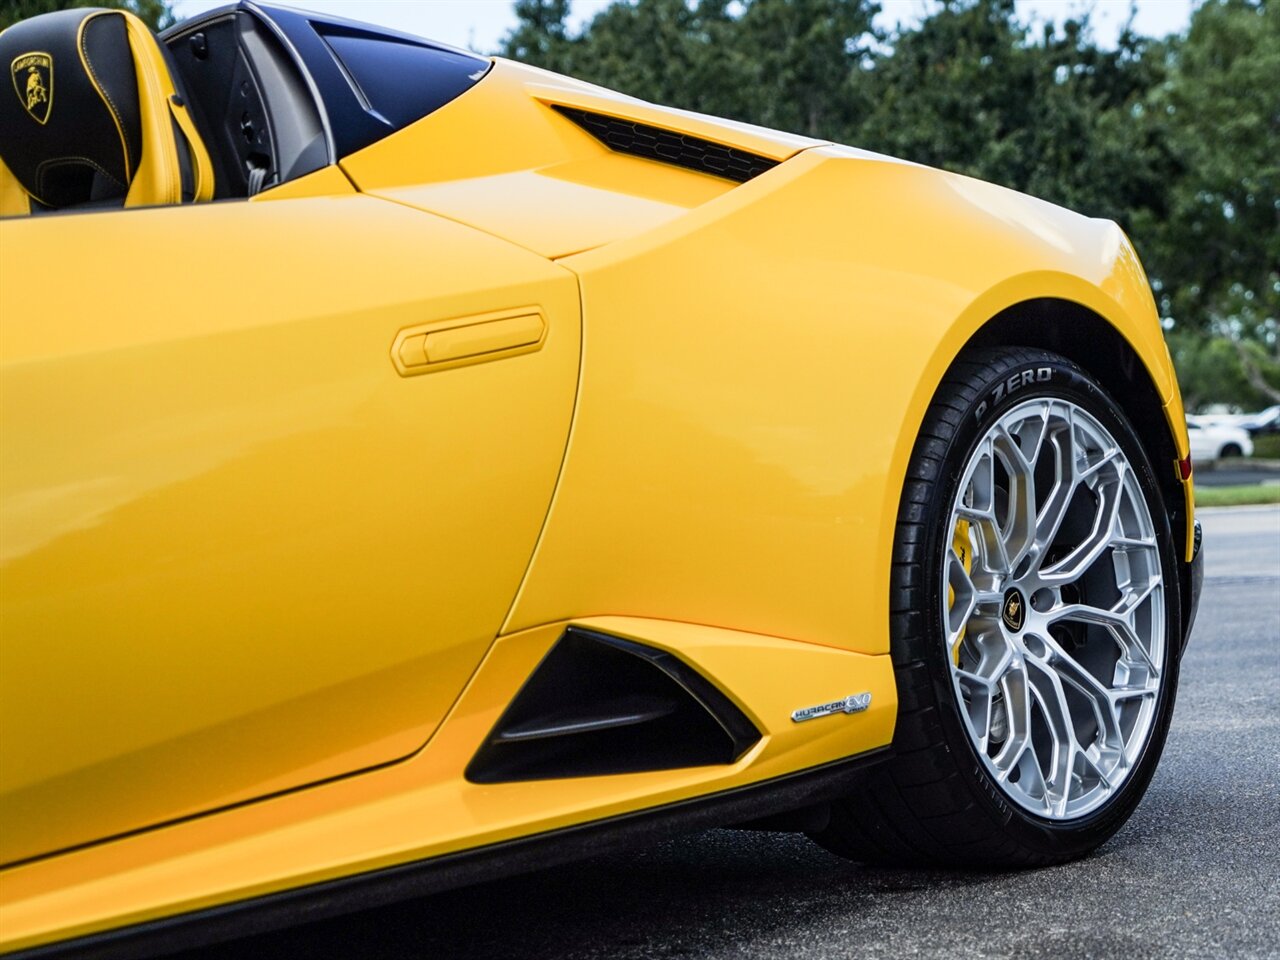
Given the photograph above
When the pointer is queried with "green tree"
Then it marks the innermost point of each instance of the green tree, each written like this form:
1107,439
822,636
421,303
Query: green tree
157,14
661,50
540,36
972,90
957,92
1210,371
805,61
786,63
649,49
1216,254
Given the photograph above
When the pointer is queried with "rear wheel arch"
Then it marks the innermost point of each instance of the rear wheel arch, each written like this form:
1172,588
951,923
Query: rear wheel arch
1089,340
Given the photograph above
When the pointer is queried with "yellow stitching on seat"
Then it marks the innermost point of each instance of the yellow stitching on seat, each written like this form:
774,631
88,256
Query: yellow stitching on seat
106,97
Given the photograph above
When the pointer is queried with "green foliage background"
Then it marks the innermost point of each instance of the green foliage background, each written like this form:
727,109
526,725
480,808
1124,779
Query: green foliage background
158,14
1176,138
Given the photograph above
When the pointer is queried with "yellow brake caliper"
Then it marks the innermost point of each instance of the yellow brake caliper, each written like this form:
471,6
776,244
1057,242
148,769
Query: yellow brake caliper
961,545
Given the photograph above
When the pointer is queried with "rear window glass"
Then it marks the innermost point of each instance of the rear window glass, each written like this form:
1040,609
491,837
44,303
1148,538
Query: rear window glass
399,80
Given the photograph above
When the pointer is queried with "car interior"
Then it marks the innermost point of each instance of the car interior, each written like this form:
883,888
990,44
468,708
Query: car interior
262,124
214,110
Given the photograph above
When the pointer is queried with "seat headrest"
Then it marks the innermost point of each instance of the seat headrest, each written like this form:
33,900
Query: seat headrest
71,126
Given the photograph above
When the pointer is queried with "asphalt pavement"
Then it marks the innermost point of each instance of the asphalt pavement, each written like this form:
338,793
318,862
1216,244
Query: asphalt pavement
1195,872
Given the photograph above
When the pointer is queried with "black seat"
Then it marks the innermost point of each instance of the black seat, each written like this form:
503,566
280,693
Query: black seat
92,117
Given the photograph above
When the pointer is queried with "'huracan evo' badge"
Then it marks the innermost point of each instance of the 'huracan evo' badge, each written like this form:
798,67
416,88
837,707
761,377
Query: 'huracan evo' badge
855,703
33,82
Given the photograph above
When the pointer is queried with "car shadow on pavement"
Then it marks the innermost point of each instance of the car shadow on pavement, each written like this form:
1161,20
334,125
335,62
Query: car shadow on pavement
687,897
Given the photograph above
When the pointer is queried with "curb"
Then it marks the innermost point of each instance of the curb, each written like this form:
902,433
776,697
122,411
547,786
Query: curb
1237,508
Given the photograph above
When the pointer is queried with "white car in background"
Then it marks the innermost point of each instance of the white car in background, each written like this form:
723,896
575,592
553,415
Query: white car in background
1265,421
1216,441
1268,421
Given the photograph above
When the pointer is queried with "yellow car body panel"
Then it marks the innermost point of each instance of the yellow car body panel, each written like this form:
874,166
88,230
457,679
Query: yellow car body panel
328,181
526,175
505,126
301,562
270,559
424,808
675,469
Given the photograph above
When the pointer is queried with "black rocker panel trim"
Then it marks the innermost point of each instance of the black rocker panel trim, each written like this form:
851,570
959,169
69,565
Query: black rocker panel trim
598,705
668,146
275,911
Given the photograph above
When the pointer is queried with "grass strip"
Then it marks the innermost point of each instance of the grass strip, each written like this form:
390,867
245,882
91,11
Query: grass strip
1237,496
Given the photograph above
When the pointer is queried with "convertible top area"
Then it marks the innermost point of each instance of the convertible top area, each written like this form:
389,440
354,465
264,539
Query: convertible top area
259,96
284,93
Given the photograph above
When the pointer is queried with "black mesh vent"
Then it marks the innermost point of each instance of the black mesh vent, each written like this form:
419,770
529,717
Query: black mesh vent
654,143
599,705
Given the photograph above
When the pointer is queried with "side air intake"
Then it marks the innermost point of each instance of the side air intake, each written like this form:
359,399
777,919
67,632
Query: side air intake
668,146
599,704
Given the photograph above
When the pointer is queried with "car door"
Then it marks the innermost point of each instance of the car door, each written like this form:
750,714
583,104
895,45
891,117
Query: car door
251,536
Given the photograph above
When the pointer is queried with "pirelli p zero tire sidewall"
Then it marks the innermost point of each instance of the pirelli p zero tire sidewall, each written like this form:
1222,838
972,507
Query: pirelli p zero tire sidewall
1003,380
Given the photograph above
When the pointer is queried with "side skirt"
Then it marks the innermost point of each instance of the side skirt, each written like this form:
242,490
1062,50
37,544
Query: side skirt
380,887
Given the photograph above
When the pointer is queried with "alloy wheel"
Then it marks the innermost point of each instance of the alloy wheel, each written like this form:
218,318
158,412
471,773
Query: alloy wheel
1054,608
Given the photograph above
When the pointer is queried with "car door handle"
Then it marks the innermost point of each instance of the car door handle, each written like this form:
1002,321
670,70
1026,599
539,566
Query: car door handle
466,340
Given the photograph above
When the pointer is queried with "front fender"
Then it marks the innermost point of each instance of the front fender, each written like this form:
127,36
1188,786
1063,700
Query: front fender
754,376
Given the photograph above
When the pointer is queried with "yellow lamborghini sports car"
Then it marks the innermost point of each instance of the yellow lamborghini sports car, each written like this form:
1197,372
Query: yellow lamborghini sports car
417,467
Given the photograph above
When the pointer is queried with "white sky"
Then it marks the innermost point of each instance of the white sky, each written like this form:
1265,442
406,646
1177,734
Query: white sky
481,24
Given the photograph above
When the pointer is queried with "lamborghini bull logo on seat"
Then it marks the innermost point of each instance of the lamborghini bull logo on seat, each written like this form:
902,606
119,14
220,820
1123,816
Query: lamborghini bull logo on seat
33,82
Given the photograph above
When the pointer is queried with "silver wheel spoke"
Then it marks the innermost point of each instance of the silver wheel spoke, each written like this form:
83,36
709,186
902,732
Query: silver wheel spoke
980,510
1101,536
1118,624
1105,707
1065,478
965,599
1056,629
981,686
1046,687
1019,535
1017,698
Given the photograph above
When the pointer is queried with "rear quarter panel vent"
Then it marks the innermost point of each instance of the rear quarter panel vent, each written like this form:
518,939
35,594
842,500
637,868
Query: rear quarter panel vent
669,146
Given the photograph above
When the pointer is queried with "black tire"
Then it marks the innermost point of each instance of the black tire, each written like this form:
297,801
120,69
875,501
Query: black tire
933,802
1231,450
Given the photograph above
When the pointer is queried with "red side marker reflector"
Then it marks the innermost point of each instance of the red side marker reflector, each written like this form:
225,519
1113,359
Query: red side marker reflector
1184,468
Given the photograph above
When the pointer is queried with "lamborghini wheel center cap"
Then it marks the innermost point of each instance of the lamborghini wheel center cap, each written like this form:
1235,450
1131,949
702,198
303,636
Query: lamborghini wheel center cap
1013,611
